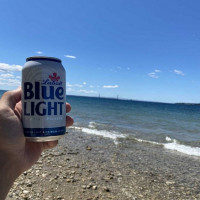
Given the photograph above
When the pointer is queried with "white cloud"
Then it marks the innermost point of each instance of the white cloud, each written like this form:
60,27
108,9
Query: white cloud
68,84
91,86
110,86
88,91
153,75
69,89
7,75
70,56
14,81
77,85
4,67
113,70
10,82
73,85
178,72
9,79
81,91
39,52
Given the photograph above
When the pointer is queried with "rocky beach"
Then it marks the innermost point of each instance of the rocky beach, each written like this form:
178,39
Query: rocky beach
90,167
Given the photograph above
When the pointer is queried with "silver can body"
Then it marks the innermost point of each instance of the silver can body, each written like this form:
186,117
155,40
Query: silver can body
43,99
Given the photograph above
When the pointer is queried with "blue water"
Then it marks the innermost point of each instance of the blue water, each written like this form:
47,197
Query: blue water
144,120
175,126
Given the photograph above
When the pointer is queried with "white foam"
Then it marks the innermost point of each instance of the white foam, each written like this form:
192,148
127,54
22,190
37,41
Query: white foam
104,133
172,143
168,139
175,146
192,151
92,124
147,141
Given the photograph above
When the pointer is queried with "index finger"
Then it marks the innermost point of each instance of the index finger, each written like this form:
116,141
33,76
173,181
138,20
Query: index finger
11,98
68,107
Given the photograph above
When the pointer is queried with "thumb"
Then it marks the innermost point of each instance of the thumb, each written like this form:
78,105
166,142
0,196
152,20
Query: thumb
11,98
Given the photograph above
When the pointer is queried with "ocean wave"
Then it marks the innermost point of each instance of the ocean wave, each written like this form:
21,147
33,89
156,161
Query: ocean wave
93,124
175,145
171,144
147,141
104,133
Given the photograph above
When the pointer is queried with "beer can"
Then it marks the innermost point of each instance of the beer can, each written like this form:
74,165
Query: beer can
43,99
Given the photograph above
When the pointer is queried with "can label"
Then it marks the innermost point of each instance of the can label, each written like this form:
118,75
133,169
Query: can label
43,101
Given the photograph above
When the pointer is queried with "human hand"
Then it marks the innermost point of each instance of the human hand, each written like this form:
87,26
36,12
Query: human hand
16,153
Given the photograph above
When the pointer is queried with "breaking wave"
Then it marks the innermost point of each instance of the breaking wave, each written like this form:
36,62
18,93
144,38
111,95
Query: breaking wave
104,133
170,144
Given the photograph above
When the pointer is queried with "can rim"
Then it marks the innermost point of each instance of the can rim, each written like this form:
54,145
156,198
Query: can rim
43,58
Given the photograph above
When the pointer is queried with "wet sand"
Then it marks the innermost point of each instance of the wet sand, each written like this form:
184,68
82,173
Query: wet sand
90,167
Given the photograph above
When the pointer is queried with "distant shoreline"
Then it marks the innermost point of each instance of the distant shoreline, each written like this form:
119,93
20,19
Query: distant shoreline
189,104
126,99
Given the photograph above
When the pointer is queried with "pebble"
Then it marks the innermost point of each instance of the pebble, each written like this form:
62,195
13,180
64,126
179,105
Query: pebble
84,186
90,178
25,192
106,189
56,177
89,148
44,175
89,186
170,182
119,174
25,173
94,187
29,184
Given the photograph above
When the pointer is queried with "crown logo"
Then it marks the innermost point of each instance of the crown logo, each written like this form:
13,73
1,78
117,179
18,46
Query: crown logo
54,77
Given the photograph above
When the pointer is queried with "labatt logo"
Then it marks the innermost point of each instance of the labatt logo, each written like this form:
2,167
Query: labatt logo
49,91
54,77
54,80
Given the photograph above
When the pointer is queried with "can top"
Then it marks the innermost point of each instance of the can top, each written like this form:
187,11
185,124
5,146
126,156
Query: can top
43,58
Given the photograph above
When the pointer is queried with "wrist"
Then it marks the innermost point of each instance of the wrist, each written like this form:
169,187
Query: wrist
9,173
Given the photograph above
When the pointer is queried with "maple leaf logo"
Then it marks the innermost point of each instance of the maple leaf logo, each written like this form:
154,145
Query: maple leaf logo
54,77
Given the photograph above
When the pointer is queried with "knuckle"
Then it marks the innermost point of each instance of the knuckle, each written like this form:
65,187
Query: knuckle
4,110
7,94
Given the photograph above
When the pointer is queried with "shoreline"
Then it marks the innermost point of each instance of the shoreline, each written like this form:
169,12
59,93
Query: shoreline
91,167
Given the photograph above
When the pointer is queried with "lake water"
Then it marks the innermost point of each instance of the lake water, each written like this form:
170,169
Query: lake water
174,126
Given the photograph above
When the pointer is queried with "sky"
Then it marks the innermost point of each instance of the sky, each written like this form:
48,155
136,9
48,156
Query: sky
134,49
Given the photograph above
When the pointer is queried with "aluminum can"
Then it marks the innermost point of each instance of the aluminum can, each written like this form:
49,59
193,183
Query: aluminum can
43,99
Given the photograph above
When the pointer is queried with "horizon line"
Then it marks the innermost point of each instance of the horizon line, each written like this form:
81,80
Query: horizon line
127,99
